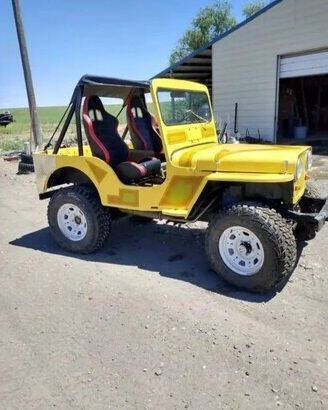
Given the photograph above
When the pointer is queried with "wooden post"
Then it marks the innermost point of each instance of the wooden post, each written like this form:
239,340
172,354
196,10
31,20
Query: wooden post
27,74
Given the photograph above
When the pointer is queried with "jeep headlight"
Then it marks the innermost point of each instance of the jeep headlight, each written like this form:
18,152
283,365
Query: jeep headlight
299,170
309,160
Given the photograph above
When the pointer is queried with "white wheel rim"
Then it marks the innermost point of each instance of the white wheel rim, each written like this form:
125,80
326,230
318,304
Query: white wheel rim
72,222
241,250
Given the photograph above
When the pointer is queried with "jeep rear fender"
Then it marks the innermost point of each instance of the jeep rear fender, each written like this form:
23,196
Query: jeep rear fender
53,170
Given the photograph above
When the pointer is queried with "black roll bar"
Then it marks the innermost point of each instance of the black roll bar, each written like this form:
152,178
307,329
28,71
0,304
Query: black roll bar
74,108
78,99
66,124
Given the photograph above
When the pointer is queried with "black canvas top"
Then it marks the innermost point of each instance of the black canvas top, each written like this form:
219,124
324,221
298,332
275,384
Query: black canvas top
99,80
109,87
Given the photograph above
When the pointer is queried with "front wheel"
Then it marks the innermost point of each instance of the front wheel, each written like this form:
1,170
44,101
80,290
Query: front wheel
251,247
311,203
77,220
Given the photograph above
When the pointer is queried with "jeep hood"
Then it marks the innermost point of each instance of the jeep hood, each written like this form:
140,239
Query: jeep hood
264,159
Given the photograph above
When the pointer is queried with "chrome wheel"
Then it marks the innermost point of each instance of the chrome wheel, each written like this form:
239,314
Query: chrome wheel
72,222
241,250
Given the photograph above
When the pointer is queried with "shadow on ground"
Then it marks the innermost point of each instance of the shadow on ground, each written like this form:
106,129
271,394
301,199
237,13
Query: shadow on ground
173,251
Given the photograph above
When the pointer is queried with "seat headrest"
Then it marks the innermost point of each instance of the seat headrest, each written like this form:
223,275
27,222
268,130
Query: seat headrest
136,101
93,103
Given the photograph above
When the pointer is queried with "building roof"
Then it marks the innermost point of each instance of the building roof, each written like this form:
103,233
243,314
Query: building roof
197,66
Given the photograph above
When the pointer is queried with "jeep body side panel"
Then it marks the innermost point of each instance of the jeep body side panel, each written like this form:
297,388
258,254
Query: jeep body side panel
172,196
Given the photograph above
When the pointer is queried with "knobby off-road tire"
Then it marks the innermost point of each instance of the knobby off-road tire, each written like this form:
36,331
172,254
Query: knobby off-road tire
307,206
24,168
93,224
274,237
26,158
311,192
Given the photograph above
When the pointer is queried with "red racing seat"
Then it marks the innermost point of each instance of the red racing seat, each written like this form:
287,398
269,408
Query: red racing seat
105,143
142,126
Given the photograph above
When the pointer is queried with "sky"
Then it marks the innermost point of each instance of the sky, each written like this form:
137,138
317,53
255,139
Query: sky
68,38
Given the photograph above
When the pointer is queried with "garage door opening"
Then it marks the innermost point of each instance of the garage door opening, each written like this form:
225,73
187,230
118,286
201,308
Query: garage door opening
303,109
303,100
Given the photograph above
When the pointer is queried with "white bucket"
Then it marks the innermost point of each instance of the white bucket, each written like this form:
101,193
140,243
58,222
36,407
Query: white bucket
300,133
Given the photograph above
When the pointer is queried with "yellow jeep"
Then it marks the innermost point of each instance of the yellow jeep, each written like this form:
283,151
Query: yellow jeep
255,198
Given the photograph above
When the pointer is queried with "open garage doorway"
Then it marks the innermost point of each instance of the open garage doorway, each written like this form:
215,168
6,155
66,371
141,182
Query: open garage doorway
303,100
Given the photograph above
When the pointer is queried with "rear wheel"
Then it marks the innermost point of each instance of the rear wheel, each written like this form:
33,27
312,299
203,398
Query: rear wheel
251,247
77,220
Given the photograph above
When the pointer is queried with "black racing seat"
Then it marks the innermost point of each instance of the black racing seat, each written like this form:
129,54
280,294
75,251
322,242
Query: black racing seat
132,171
142,126
105,143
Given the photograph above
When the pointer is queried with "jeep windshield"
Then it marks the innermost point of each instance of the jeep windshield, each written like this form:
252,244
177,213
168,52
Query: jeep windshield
183,107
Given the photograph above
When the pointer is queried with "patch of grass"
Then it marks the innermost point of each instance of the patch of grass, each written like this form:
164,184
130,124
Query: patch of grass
14,135
10,143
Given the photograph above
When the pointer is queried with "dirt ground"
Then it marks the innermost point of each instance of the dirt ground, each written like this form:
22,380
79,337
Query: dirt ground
145,324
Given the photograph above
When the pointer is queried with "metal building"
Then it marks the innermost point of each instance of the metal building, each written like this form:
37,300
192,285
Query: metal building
274,66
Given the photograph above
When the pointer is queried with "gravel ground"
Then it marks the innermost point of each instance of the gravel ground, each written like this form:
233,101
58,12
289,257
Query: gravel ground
145,324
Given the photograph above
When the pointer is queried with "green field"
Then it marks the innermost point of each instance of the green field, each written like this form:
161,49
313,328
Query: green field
13,136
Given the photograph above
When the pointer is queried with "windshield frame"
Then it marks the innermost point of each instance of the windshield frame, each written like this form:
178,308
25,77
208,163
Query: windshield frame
206,121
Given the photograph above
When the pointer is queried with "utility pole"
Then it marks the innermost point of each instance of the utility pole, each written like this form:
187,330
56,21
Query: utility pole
27,74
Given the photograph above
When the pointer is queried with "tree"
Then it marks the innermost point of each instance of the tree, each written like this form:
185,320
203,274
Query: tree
253,7
211,21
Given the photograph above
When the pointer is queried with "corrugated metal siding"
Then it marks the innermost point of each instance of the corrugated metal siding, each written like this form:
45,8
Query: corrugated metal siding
304,65
245,62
